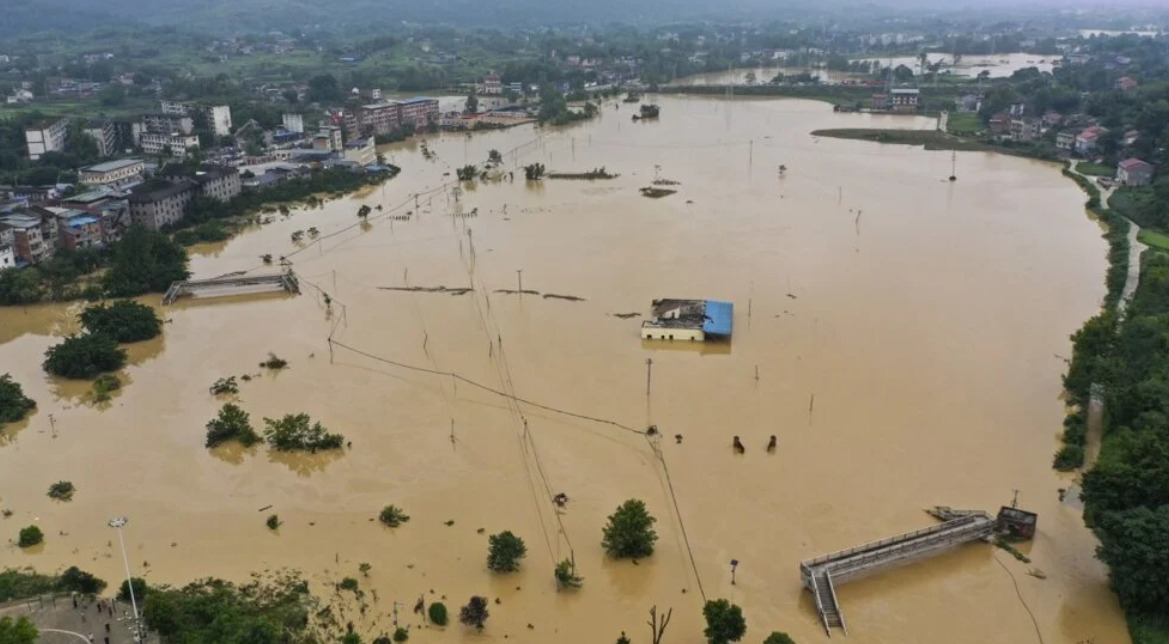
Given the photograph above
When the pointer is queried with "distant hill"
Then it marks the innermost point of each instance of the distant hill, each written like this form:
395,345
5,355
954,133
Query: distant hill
27,17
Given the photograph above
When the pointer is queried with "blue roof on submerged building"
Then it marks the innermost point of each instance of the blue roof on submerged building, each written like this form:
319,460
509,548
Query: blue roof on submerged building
720,318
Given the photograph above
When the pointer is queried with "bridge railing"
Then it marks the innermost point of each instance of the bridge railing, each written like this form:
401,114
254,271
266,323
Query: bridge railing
894,540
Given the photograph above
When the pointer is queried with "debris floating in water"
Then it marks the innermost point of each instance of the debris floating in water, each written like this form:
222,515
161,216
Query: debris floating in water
625,316
570,298
428,289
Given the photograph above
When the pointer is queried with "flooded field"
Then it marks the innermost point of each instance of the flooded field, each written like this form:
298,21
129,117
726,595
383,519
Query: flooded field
901,335
998,65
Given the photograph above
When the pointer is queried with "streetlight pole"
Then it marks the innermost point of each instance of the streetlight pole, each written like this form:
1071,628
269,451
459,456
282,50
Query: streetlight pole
118,523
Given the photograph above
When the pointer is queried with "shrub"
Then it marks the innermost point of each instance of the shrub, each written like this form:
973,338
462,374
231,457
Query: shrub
225,386
13,405
779,638
274,362
232,423
140,590
393,516
401,634
77,580
349,584
1068,458
18,631
629,532
364,568
30,536
273,521
566,576
437,613
724,622
505,551
103,385
295,433
475,612
62,491
124,321
84,356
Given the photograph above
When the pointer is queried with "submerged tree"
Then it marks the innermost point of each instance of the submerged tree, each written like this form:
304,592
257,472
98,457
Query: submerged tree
475,612
297,432
629,532
84,356
724,622
13,403
364,211
505,551
393,516
232,423
566,576
534,171
62,491
124,321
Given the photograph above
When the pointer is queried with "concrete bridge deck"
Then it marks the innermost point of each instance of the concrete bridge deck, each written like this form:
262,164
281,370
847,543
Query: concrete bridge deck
233,285
820,575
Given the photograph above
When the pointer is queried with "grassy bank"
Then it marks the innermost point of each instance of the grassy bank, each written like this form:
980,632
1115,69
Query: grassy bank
935,140
1153,239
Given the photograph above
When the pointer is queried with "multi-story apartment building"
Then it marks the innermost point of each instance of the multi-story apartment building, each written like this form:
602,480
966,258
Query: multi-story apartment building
370,120
175,145
156,205
160,123
113,173
218,116
77,229
45,137
215,181
105,134
7,255
419,112
28,240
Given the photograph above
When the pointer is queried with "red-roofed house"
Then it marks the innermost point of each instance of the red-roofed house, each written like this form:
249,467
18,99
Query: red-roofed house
1125,83
1134,172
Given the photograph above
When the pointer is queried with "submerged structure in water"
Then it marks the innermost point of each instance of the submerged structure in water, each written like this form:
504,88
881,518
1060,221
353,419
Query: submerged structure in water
693,320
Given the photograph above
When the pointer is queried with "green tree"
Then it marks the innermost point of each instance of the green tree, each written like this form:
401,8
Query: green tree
124,321
505,551
13,403
566,576
62,491
232,423
437,613
19,286
30,536
145,261
84,356
401,634
471,105
323,88
1135,545
777,637
393,516
475,613
140,589
629,532
77,580
724,622
272,611
297,432
18,631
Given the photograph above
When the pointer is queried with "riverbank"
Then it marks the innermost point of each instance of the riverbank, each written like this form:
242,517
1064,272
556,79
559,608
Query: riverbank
932,99
931,140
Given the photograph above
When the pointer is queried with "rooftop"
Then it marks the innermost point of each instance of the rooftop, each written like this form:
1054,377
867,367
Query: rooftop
110,166
380,106
147,193
714,317
1132,164
419,99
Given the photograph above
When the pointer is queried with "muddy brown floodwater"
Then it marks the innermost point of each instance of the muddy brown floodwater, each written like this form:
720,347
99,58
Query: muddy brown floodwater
926,318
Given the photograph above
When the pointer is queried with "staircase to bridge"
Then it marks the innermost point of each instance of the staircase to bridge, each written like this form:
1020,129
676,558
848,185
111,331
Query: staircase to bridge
233,285
820,575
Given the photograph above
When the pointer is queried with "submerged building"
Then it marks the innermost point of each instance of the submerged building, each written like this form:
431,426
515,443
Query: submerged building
693,320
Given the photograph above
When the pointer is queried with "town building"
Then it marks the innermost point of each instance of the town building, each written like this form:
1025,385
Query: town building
362,151
419,112
1134,172
45,137
176,145
332,138
77,229
1065,140
968,103
215,181
1087,140
220,118
29,241
904,100
1026,129
1125,83
105,134
692,320
294,123
113,173
7,255
1000,123
880,102
161,203
492,85
374,119
160,123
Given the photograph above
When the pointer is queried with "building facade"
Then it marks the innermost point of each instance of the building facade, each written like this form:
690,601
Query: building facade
78,229
220,118
176,145
1025,129
294,123
105,134
29,242
373,119
492,85
46,137
419,112
1134,172
167,124
157,206
113,173
904,100
361,151
7,256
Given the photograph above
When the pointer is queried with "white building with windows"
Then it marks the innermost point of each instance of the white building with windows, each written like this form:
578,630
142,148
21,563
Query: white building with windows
176,145
46,137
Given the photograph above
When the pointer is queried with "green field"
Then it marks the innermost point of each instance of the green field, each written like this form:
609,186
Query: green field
964,123
1153,238
1095,170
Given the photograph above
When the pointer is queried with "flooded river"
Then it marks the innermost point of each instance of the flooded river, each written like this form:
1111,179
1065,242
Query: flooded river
901,335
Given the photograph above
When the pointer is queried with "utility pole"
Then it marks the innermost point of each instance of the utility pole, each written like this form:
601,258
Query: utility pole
519,274
649,363
118,523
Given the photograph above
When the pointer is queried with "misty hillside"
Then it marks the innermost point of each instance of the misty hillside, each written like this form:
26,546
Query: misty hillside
250,16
